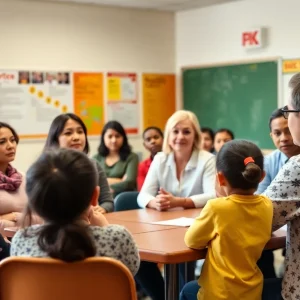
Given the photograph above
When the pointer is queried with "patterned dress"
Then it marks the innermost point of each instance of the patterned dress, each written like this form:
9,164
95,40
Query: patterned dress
284,191
111,241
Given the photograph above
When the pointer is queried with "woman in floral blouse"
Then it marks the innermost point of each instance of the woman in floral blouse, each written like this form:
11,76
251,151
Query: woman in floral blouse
285,193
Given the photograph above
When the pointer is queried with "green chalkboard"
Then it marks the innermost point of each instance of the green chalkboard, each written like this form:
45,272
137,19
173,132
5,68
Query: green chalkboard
239,97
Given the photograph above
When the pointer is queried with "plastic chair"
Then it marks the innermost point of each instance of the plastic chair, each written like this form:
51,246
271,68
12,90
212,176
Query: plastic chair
126,201
23,278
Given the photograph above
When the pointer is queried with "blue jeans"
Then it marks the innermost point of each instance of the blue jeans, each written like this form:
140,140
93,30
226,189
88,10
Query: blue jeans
271,290
190,291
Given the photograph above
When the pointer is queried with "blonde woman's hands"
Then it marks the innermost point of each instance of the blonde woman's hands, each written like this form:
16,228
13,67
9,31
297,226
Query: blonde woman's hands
159,204
163,201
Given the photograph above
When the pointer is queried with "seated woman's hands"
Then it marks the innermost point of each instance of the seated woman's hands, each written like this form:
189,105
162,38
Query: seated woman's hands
9,217
164,201
8,220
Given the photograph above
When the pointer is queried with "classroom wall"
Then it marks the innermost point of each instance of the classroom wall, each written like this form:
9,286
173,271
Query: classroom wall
60,36
213,34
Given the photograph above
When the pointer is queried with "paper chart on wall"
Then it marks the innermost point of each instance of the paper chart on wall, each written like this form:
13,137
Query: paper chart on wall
30,100
122,100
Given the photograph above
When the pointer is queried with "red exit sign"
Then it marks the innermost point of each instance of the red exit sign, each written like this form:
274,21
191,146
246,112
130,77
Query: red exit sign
252,38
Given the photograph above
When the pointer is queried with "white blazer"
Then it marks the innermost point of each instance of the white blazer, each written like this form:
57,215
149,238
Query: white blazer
197,180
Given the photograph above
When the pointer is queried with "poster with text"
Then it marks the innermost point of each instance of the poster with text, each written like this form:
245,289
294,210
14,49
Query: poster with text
88,100
159,99
289,68
30,100
122,100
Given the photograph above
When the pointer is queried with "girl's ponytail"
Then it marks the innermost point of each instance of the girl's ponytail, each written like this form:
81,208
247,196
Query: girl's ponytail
252,172
68,242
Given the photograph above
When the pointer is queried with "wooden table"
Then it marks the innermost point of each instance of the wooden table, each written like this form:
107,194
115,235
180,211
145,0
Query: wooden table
165,244
171,247
150,215
136,227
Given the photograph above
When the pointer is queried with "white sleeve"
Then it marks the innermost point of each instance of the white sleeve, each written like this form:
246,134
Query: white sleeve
151,185
208,183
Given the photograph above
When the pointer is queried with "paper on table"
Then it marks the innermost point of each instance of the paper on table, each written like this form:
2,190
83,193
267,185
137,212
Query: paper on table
184,222
283,228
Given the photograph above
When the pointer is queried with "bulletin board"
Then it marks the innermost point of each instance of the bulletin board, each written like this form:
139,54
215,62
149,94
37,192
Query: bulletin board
30,100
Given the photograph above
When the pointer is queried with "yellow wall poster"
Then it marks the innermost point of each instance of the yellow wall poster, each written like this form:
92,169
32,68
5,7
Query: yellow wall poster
159,99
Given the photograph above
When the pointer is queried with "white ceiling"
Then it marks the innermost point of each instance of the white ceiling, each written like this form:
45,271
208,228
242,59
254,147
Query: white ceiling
166,5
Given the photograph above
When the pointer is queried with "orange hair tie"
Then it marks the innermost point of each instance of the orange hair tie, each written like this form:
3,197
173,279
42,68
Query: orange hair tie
248,160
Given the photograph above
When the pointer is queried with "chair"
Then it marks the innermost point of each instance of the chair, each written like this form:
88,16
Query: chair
23,278
126,201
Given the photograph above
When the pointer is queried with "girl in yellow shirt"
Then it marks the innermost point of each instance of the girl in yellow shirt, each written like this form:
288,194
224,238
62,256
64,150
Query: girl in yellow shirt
234,228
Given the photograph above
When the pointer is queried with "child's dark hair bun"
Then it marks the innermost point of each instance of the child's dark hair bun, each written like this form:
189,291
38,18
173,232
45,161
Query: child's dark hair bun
252,173
242,163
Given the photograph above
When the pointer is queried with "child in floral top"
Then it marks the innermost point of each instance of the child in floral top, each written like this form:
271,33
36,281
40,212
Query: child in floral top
61,187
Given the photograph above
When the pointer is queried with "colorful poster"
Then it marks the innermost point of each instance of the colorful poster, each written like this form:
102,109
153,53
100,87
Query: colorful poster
88,100
122,100
30,100
159,99
289,68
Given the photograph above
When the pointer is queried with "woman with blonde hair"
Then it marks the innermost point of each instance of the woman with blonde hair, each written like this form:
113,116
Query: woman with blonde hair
181,176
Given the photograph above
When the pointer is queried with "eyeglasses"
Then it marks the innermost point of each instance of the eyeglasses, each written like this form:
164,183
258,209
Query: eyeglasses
285,111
